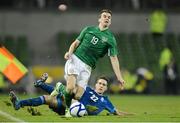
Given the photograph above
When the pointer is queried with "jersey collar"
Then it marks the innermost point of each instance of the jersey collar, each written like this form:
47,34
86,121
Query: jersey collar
105,29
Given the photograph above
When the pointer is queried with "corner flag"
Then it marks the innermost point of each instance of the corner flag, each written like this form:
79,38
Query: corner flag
10,66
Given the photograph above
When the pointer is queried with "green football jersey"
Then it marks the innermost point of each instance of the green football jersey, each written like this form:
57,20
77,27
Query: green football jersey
94,44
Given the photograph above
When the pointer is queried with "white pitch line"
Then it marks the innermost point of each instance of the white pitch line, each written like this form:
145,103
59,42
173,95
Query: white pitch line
10,117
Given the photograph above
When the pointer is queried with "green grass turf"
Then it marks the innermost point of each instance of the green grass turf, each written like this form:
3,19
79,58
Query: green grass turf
147,108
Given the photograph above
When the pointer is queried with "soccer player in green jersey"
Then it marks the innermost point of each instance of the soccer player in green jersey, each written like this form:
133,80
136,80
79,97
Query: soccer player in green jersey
93,43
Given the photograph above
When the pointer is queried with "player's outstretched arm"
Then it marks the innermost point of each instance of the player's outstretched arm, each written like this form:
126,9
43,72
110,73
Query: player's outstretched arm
122,113
116,68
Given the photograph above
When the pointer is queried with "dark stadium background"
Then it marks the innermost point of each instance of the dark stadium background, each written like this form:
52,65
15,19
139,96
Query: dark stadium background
39,34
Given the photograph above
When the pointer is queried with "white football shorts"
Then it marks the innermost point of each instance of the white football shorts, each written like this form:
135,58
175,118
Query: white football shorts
77,67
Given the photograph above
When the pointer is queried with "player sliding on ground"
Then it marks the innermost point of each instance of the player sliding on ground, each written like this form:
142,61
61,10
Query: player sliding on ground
93,99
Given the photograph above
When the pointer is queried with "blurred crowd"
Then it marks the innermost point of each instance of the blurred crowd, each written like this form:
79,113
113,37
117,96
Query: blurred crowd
86,5
141,79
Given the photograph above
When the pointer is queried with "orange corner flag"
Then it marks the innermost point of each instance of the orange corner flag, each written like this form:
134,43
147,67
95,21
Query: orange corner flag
10,66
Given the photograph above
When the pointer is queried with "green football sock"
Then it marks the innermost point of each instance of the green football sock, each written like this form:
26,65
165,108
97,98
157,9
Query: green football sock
62,89
68,98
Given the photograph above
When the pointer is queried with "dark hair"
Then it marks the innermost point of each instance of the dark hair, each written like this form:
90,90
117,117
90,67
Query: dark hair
106,10
102,77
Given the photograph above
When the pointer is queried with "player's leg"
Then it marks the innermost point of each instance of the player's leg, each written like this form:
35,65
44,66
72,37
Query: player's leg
41,84
17,104
59,88
32,101
82,82
71,82
56,103
78,92
41,80
73,68
71,73
15,101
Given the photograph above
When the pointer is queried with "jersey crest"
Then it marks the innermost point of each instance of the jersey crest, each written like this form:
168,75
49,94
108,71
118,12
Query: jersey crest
102,99
104,39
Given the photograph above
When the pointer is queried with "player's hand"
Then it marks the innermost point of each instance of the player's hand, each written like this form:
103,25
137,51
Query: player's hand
67,55
121,83
122,113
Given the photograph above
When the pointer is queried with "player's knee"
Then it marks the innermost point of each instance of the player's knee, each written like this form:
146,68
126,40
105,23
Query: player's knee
47,98
77,96
70,88
71,82
79,93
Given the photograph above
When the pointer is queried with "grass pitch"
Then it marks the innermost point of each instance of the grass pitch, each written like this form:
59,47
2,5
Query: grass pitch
147,108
